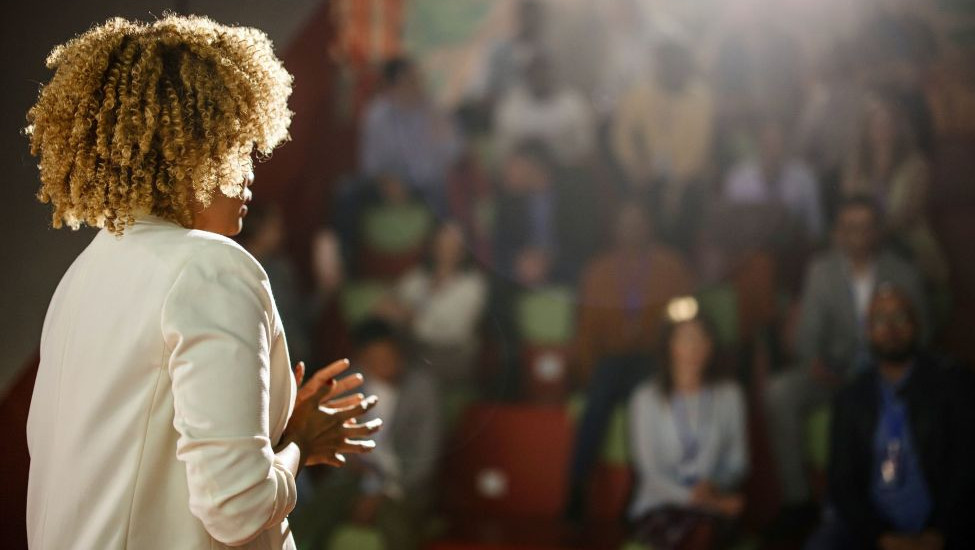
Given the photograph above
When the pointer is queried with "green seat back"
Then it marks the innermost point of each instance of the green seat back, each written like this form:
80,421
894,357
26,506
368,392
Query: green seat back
396,228
358,299
817,437
720,304
546,316
349,537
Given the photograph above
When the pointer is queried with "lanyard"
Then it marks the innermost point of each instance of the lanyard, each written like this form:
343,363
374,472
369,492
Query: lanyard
689,434
893,421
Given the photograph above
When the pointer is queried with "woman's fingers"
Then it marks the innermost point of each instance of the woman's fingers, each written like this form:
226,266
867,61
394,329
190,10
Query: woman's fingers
342,385
344,402
349,413
356,446
320,382
299,373
335,460
362,430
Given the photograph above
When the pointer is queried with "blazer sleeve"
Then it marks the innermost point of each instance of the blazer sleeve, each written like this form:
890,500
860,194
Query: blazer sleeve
218,320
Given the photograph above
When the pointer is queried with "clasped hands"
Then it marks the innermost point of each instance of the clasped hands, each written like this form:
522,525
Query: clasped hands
323,425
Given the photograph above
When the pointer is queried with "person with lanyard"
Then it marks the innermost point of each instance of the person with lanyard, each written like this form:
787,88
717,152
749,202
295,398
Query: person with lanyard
831,343
900,473
623,294
688,440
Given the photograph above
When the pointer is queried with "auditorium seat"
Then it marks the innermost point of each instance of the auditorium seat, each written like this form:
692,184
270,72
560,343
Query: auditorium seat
546,321
509,461
720,303
349,537
358,298
393,237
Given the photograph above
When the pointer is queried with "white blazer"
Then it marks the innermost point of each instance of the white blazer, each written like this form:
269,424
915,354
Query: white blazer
163,384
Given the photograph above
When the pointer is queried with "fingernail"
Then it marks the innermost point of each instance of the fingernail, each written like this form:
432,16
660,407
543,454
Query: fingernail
347,362
374,423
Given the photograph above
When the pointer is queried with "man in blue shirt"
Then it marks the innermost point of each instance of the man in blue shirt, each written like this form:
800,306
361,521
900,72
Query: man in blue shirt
901,457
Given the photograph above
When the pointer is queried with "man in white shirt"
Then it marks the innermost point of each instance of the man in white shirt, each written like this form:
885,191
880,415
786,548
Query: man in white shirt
543,110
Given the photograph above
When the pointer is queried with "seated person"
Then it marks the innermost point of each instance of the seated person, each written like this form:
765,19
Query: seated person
900,471
403,133
688,440
391,490
831,342
774,176
621,300
544,109
442,303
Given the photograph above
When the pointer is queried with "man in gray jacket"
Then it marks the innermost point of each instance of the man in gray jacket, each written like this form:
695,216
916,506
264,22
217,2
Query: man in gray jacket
831,343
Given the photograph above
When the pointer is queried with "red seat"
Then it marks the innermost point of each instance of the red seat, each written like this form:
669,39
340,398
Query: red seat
609,491
545,374
509,461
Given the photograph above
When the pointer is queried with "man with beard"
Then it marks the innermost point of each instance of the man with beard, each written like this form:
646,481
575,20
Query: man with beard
900,471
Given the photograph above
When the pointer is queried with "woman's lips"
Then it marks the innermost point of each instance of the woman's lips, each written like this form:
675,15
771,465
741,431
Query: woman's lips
243,211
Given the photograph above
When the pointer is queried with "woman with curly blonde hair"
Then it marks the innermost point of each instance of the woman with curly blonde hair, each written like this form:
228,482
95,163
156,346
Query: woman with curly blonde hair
165,413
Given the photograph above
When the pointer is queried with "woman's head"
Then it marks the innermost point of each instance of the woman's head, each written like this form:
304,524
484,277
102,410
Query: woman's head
688,346
448,249
159,118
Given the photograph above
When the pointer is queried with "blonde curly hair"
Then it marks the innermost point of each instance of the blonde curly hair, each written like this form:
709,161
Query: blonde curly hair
153,117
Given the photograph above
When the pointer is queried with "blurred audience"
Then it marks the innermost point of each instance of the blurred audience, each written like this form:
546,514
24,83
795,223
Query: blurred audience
441,303
406,137
661,138
900,471
680,134
832,341
542,109
392,489
622,296
628,41
829,122
888,165
507,59
688,440
775,176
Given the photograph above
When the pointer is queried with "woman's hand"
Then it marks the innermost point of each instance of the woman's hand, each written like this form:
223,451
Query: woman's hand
324,428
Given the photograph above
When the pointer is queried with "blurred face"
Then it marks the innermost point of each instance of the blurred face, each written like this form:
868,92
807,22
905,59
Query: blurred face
270,236
857,233
881,126
225,215
408,87
632,228
674,67
539,78
382,360
448,247
524,174
893,331
690,351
